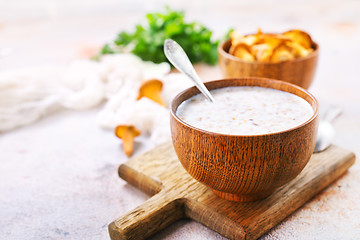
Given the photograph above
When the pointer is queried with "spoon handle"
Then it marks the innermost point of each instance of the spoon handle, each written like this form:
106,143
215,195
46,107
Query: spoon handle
332,113
178,58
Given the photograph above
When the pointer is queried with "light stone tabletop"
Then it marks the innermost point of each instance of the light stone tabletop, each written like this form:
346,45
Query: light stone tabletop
58,176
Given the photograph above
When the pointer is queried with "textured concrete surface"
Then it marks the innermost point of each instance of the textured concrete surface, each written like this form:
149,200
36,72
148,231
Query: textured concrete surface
58,177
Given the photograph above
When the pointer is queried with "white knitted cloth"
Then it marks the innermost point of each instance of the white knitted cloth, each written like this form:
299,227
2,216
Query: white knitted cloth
26,95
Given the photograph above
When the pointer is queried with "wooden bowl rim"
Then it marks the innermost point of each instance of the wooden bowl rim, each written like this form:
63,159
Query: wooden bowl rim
222,51
173,108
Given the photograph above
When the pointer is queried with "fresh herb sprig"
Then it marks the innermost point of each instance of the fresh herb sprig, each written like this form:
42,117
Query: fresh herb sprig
147,41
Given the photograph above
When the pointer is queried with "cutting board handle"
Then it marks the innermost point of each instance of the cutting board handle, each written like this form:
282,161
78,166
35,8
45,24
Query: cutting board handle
153,215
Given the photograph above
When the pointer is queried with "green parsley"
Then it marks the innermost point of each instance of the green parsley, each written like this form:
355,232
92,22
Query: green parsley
147,41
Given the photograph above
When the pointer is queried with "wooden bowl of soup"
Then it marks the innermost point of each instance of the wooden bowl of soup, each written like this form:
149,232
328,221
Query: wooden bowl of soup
257,136
299,71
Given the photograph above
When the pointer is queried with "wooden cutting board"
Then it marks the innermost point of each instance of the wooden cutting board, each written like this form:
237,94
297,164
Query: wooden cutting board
177,195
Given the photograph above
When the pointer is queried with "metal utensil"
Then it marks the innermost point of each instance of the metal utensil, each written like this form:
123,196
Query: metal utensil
326,131
176,55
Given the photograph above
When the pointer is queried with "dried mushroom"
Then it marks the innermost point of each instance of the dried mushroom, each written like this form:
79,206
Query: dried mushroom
271,48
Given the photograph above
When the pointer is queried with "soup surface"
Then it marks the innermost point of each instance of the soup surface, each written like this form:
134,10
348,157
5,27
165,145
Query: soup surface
245,111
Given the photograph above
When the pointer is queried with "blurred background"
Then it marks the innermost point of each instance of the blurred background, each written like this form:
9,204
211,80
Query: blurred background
36,29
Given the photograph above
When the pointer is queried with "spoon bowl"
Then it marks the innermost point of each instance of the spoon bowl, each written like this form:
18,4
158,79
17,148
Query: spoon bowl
326,131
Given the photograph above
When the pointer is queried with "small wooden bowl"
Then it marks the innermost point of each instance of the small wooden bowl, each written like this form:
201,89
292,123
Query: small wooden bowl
244,168
299,71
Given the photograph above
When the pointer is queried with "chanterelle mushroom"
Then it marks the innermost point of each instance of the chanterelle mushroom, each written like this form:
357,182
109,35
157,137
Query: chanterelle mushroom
127,133
152,90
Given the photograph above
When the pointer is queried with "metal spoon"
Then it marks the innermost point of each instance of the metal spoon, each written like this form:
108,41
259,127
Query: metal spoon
176,55
326,131
178,58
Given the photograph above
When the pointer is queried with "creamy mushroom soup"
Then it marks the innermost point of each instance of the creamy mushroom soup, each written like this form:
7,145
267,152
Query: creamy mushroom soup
245,111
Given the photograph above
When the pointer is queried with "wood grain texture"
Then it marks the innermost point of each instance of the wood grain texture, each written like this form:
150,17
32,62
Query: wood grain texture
244,168
300,71
178,195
